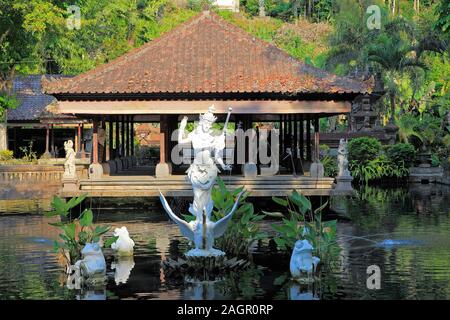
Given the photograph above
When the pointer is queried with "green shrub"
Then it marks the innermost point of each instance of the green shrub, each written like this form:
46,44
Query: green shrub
75,232
378,168
401,152
330,166
435,161
6,155
363,149
300,222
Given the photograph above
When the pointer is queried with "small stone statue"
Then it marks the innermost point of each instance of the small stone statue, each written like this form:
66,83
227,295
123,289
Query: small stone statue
93,262
92,266
124,245
69,165
343,159
302,259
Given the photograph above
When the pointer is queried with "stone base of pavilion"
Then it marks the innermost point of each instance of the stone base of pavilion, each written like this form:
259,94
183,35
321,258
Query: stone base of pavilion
178,186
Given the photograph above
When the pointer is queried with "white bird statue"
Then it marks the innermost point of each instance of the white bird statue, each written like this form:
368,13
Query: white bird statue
302,259
124,244
202,231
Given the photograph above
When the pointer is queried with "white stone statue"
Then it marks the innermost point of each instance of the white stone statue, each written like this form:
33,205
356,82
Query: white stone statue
202,174
342,159
302,260
124,244
123,267
69,165
208,147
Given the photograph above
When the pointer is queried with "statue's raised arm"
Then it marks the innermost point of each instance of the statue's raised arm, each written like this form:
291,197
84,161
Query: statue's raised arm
181,132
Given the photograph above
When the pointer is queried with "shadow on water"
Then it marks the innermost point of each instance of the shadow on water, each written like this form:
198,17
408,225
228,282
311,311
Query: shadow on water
404,231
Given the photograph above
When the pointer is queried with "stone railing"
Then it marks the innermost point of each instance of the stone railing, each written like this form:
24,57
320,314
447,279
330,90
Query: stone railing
26,173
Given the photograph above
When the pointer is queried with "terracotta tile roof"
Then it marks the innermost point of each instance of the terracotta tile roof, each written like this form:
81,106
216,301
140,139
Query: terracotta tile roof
206,55
32,102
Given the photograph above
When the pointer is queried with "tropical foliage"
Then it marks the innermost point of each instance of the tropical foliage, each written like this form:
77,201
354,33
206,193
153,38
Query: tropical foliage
75,232
300,221
243,230
363,149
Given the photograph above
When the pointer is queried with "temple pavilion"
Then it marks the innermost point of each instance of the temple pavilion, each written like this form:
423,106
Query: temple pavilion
204,61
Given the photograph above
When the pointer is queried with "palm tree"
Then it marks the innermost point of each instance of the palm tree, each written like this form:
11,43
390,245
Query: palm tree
396,59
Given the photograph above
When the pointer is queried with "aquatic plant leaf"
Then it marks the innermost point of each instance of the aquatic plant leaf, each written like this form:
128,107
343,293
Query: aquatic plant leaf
108,242
273,214
280,201
188,217
279,281
69,230
319,209
86,218
59,206
73,202
99,230
301,201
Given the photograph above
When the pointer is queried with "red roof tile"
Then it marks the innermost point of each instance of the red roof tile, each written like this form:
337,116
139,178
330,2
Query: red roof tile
203,55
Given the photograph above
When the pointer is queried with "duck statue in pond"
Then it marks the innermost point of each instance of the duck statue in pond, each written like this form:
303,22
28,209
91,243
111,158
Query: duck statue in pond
124,244
302,260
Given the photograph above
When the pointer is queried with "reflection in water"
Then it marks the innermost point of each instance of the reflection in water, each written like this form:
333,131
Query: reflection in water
29,268
123,267
92,294
299,291
201,290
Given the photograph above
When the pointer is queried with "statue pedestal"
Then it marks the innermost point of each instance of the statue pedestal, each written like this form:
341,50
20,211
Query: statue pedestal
163,170
70,183
249,170
317,170
199,253
95,171
344,183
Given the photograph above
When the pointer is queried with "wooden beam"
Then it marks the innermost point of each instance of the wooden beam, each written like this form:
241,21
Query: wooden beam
95,142
195,107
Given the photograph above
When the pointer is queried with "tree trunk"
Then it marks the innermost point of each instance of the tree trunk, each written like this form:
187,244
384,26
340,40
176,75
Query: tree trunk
392,100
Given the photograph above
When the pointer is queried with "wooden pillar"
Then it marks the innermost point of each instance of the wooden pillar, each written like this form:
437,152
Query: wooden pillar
47,139
95,142
122,138
83,152
289,131
111,139
302,138
281,136
15,141
295,122
79,138
308,139
127,137
117,137
316,139
132,135
52,137
162,139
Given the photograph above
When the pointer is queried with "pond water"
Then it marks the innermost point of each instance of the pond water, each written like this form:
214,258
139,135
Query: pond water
404,231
